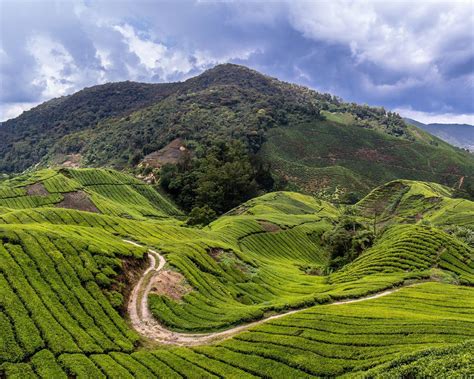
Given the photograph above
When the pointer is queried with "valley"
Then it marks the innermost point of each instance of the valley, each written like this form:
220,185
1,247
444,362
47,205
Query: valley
259,292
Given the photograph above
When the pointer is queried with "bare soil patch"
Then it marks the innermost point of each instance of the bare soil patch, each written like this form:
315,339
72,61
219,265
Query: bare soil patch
72,161
171,284
171,153
36,189
269,226
131,271
216,253
78,200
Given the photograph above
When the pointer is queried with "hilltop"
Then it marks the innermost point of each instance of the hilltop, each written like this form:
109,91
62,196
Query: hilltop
336,148
365,283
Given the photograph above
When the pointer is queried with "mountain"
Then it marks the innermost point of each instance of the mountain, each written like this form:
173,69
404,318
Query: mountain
461,135
309,141
101,277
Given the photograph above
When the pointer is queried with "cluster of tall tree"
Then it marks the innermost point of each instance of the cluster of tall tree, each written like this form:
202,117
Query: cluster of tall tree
347,239
220,178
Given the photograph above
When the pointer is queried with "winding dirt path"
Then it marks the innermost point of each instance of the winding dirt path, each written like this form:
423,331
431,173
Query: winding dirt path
143,321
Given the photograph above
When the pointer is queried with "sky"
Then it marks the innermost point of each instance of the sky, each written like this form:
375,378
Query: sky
413,57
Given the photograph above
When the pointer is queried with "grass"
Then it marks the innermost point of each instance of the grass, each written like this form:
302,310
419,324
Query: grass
63,274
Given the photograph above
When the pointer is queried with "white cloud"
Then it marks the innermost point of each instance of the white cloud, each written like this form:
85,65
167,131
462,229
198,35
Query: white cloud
205,58
155,56
12,110
56,71
149,53
167,62
104,58
432,118
336,21
403,53
106,64
399,35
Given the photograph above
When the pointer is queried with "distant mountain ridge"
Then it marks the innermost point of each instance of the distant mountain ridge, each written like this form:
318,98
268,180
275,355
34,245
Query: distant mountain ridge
461,135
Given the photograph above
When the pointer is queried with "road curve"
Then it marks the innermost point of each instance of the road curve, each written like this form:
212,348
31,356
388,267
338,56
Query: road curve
144,323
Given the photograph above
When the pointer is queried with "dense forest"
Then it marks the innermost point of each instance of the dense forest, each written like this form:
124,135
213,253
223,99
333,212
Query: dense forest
136,119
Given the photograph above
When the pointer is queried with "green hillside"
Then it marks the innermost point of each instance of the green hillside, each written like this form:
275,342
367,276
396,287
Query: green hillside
336,157
336,148
410,201
68,277
461,135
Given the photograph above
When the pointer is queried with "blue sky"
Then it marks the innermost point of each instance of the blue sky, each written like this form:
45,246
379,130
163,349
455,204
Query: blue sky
415,57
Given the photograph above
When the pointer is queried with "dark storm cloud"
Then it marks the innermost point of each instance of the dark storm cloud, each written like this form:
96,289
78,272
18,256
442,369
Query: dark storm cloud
401,55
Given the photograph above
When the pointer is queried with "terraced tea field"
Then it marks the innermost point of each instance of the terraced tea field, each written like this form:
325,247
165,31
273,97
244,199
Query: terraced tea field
233,299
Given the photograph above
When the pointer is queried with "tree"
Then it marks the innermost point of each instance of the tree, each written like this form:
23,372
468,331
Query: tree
201,216
378,208
350,198
347,240
221,178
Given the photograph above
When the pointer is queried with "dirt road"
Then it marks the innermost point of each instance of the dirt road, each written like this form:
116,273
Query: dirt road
143,321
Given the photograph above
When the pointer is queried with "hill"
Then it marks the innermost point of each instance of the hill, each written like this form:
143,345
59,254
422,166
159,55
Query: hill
120,289
334,156
461,135
337,147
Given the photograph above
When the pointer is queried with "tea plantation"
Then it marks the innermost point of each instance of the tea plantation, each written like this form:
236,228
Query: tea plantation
67,271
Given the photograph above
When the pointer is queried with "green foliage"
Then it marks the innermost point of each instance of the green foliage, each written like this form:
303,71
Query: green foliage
347,240
454,362
330,159
404,201
220,180
201,216
349,198
58,124
465,192
465,234
411,249
93,190
412,327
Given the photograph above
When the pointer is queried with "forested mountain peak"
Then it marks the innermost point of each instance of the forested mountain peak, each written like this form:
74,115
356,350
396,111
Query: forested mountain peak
38,134
230,74
285,131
